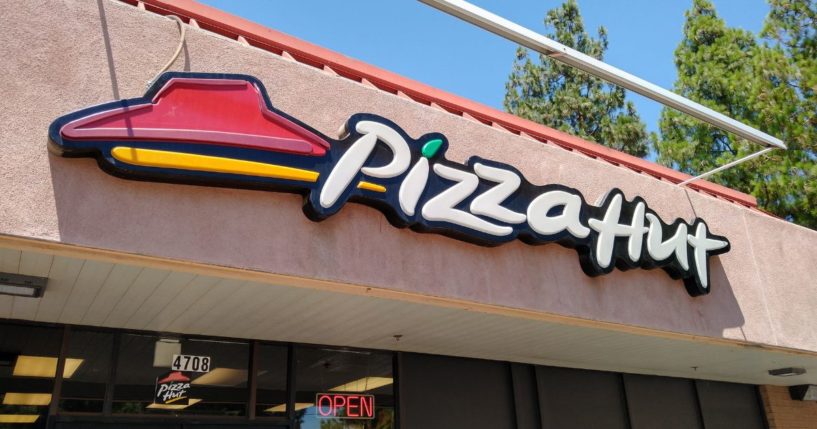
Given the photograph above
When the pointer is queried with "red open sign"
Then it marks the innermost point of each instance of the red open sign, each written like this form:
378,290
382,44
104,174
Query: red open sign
345,405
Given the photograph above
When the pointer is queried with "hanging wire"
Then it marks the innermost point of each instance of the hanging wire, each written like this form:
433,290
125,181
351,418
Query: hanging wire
182,33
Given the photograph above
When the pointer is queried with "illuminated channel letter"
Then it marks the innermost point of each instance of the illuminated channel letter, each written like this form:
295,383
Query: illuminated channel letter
353,159
413,186
609,228
489,203
661,250
636,240
569,220
441,208
702,244
399,148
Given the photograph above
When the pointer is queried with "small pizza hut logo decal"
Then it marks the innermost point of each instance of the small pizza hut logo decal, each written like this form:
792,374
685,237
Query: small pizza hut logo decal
222,130
172,389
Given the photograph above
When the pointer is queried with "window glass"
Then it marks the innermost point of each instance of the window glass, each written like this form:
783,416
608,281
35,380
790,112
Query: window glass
661,402
271,379
145,383
581,398
28,364
442,392
353,383
729,405
84,391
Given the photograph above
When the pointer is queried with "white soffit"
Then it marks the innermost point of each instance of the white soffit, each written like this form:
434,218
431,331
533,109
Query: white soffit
93,292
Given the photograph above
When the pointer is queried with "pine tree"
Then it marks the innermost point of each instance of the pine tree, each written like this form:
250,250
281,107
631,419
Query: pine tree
790,92
570,100
763,84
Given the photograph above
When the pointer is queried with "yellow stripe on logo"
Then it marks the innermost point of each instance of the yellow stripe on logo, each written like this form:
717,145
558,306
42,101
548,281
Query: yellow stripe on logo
211,164
369,186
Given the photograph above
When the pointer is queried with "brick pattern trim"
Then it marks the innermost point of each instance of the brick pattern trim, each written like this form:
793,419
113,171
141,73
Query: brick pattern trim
782,412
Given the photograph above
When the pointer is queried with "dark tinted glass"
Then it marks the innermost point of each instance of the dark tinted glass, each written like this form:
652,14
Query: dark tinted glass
525,396
575,398
729,405
85,390
440,392
334,371
145,360
271,393
28,364
661,402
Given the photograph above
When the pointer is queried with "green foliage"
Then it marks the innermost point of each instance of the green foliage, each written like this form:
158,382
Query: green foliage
570,100
768,83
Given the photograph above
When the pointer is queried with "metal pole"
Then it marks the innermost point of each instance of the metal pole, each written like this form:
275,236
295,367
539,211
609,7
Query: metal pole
725,166
528,38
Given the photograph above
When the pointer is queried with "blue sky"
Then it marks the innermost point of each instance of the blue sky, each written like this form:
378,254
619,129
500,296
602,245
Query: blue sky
416,41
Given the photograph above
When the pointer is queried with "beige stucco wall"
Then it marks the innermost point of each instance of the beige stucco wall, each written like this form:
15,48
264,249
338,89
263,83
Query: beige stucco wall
59,56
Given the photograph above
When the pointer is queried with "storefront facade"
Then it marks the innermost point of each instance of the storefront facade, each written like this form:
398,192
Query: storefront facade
109,381
434,263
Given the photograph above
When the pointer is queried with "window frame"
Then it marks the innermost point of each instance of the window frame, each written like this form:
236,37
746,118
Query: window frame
250,418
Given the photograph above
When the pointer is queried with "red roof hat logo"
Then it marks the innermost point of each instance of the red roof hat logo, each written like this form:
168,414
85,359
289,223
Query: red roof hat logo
174,376
227,112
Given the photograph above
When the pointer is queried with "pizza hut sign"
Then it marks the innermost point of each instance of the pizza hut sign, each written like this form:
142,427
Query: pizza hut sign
222,130
172,389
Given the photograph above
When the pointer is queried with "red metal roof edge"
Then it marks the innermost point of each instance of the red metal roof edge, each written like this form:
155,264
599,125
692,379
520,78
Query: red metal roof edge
234,27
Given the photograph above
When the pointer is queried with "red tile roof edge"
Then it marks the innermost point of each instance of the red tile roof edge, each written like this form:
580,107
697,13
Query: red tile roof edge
257,35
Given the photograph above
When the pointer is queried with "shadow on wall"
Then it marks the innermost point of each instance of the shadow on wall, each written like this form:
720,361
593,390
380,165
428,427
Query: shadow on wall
215,225
242,228
719,310
106,37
